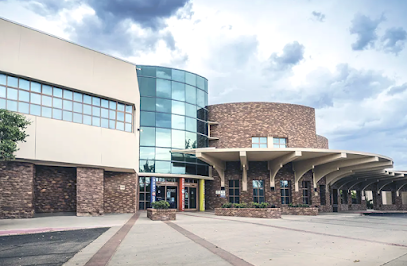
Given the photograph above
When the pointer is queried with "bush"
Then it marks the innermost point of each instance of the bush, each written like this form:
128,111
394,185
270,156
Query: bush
227,205
240,205
162,204
263,205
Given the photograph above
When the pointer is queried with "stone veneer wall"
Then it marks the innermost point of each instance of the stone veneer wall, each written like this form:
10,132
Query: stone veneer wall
89,191
299,211
322,142
54,189
161,214
273,213
239,122
117,200
16,190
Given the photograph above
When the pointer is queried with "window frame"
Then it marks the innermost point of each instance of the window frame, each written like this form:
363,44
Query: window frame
279,143
259,142
284,198
256,191
234,185
306,192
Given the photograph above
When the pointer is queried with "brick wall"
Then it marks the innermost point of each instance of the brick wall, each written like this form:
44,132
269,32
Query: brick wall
322,142
54,189
239,122
16,190
117,200
89,191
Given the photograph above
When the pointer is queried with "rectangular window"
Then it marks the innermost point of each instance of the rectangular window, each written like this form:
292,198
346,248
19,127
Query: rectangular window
144,193
259,142
356,197
56,103
306,198
279,143
322,194
344,196
285,188
234,191
258,191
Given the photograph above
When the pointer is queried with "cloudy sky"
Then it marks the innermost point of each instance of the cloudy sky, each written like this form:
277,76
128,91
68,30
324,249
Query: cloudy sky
345,58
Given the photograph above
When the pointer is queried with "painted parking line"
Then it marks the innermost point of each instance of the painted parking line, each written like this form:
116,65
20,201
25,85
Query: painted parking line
302,231
227,256
103,256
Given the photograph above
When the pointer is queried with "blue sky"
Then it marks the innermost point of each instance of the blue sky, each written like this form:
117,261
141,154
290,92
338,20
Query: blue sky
345,58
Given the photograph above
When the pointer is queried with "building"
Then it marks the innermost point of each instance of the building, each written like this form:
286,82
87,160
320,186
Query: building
109,136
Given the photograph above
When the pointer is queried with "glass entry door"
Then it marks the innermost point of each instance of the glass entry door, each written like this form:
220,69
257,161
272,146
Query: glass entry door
168,193
190,197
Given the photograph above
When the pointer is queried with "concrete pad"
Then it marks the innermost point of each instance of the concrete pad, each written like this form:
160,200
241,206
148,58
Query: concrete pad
156,243
60,223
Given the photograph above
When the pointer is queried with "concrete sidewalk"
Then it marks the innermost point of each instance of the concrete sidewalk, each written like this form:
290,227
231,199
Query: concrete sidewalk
205,239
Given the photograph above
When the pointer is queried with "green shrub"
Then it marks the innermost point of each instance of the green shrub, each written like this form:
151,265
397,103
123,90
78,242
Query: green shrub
162,204
263,205
227,205
240,205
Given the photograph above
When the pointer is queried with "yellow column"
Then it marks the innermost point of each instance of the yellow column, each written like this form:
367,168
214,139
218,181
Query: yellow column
202,195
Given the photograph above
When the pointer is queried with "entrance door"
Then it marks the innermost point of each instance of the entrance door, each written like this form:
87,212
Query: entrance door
171,196
190,197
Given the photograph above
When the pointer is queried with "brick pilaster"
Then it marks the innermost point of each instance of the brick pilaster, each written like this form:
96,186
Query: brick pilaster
89,191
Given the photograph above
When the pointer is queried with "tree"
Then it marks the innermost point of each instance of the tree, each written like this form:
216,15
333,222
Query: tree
12,130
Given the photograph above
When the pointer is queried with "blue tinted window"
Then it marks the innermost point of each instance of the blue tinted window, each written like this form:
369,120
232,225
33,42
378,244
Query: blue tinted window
147,153
147,136
47,89
129,118
56,113
128,127
24,84
95,111
164,73
87,120
77,97
87,109
105,103
12,93
178,139
67,105
68,95
178,75
2,103
67,116
112,105
147,104
24,96
36,87
77,107
163,167
163,88
104,113
77,118
96,101
147,86
163,105
163,153
191,124
57,103
200,98
3,79
120,107
178,122
12,81
163,120
147,118
12,105
23,108
190,94
35,98
105,123
46,112
163,137
120,116
46,100
200,82
178,91
178,108
96,121
146,71
57,92
87,99
3,92
35,109
190,78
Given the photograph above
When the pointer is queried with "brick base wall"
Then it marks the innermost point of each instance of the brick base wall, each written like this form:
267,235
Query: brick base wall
54,189
16,190
89,191
271,213
117,200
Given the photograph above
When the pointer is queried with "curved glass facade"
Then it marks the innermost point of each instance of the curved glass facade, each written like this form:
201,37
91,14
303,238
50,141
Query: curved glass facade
173,115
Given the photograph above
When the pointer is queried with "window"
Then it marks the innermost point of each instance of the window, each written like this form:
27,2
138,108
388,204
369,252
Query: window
279,143
306,199
258,191
234,191
285,188
387,198
259,142
344,196
356,196
144,193
322,194
37,99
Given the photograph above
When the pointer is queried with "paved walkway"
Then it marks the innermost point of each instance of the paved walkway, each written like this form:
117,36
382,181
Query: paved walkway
205,239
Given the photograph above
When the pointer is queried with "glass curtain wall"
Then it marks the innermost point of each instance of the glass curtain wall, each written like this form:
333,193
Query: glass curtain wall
173,115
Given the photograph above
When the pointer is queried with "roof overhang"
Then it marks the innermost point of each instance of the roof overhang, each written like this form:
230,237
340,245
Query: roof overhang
340,167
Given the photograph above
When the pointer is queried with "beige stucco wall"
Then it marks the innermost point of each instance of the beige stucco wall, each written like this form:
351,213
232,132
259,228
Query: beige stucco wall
32,54
55,141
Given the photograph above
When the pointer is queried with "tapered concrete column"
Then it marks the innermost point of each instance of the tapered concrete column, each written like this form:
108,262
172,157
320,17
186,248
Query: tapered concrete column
89,191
